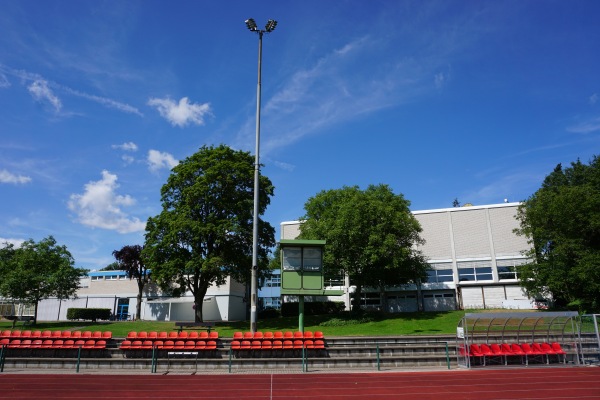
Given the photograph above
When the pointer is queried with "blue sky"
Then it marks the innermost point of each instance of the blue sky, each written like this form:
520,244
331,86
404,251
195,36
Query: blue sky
475,100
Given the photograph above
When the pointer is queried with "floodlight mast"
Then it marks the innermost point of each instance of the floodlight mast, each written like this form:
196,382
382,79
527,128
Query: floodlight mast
269,27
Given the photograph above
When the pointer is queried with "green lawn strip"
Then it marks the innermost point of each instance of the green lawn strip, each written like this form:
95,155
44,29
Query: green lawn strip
377,324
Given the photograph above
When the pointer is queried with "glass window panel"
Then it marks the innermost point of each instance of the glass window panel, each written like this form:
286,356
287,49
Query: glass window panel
292,258
312,259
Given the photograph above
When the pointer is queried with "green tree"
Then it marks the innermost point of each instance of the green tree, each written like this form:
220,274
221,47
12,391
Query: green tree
371,235
204,232
113,266
562,224
37,271
130,260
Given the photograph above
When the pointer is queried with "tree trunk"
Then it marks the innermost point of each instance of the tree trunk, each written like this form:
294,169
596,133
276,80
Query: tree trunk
138,306
357,298
198,302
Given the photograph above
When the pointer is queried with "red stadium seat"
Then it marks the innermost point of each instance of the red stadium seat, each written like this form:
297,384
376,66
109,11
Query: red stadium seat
268,335
193,335
179,345
309,344
308,335
190,345
172,335
97,335
5,334
107,335
125,345
475,351
256,345
211,345
36,334
25,344
15,334
288,344
213,335
235,345
36,344
76,334
248,335
201,345
245,345
79,343
56,334
182,335
58,344
266,345
319,344
169,345
89,344
238,335
298,344
204,335
298,335
65,334
100,344
142,335
47,344
278,335
288,335
4,342
559,351
162,335
319,335
152,335
69,344
14,343
136,345
258,335
277,345
147,344
25,334
46,334
88,334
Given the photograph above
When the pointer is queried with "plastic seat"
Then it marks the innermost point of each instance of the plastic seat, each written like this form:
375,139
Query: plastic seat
142,335
100,344
278,335
319,344
537,348
47,344
204,335
298,335
309,344
258,335
288,335
79,343
36,344
58,344
238,335
475,351
200,345
266,345
14,343
56,334
36,334
162,335
136,345
4,342
97,335
152,335
308,335
25,344
298,344
5,334
193,335
211,345
65,334
25,334
182,335
89,344
245,345
288,344
268,335
76,334
88,334
318,335
179,345
190,345
277,344
15,334
172,335
46,334
248,335
169,345
107,335
213,335
498,352
69,344
147,344
559,351
125,345
256,345
235,345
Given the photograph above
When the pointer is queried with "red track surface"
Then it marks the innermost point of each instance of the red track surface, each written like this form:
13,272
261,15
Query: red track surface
530,383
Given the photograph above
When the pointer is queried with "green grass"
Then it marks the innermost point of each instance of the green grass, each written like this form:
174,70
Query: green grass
367,324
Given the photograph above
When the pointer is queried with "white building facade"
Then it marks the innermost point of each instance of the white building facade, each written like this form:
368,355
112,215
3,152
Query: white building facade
474,256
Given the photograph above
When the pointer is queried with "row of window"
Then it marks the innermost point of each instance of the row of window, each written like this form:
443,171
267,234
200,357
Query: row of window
107,278
472,274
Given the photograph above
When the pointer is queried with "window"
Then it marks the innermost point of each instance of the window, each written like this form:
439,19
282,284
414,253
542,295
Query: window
507,272
292,259
111,277
439,275
475,274
371,299
96,278
273,282
312,258
298,258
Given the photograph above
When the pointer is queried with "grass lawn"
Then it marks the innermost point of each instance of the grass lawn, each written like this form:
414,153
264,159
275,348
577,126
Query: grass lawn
425,323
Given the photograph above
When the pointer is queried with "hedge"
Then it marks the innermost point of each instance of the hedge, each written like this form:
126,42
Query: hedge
92,314
313,308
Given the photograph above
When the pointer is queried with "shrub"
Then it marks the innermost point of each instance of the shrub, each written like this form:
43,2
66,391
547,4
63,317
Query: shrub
92,314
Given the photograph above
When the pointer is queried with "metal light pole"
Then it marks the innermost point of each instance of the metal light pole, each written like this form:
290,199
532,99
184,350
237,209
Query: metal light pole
271,24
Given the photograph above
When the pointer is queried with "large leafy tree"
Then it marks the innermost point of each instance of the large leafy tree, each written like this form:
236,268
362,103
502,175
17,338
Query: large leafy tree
204,232
371,235
562,223
37,271
130,260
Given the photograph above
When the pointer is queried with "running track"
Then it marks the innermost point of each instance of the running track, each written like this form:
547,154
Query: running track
530,383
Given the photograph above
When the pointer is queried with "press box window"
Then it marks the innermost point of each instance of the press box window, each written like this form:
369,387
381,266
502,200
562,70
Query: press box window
302,258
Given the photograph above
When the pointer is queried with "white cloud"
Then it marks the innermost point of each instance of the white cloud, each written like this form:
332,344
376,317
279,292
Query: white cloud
8,177
100,206
4,83
586,127
128,146
182,113
593,98
158,160
110,103
14,242
41,92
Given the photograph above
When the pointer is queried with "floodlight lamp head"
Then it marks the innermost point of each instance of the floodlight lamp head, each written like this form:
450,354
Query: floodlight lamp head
271,24
251,24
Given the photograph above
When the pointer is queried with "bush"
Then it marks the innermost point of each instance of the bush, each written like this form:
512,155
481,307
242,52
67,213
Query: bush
269,313
313,308
92,314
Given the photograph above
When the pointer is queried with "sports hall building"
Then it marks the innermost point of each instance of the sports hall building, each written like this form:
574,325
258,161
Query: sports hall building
474,256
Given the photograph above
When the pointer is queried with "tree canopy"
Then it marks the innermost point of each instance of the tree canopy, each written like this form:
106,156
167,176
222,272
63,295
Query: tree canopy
129,259
371,235
562,223
204,232
37,271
